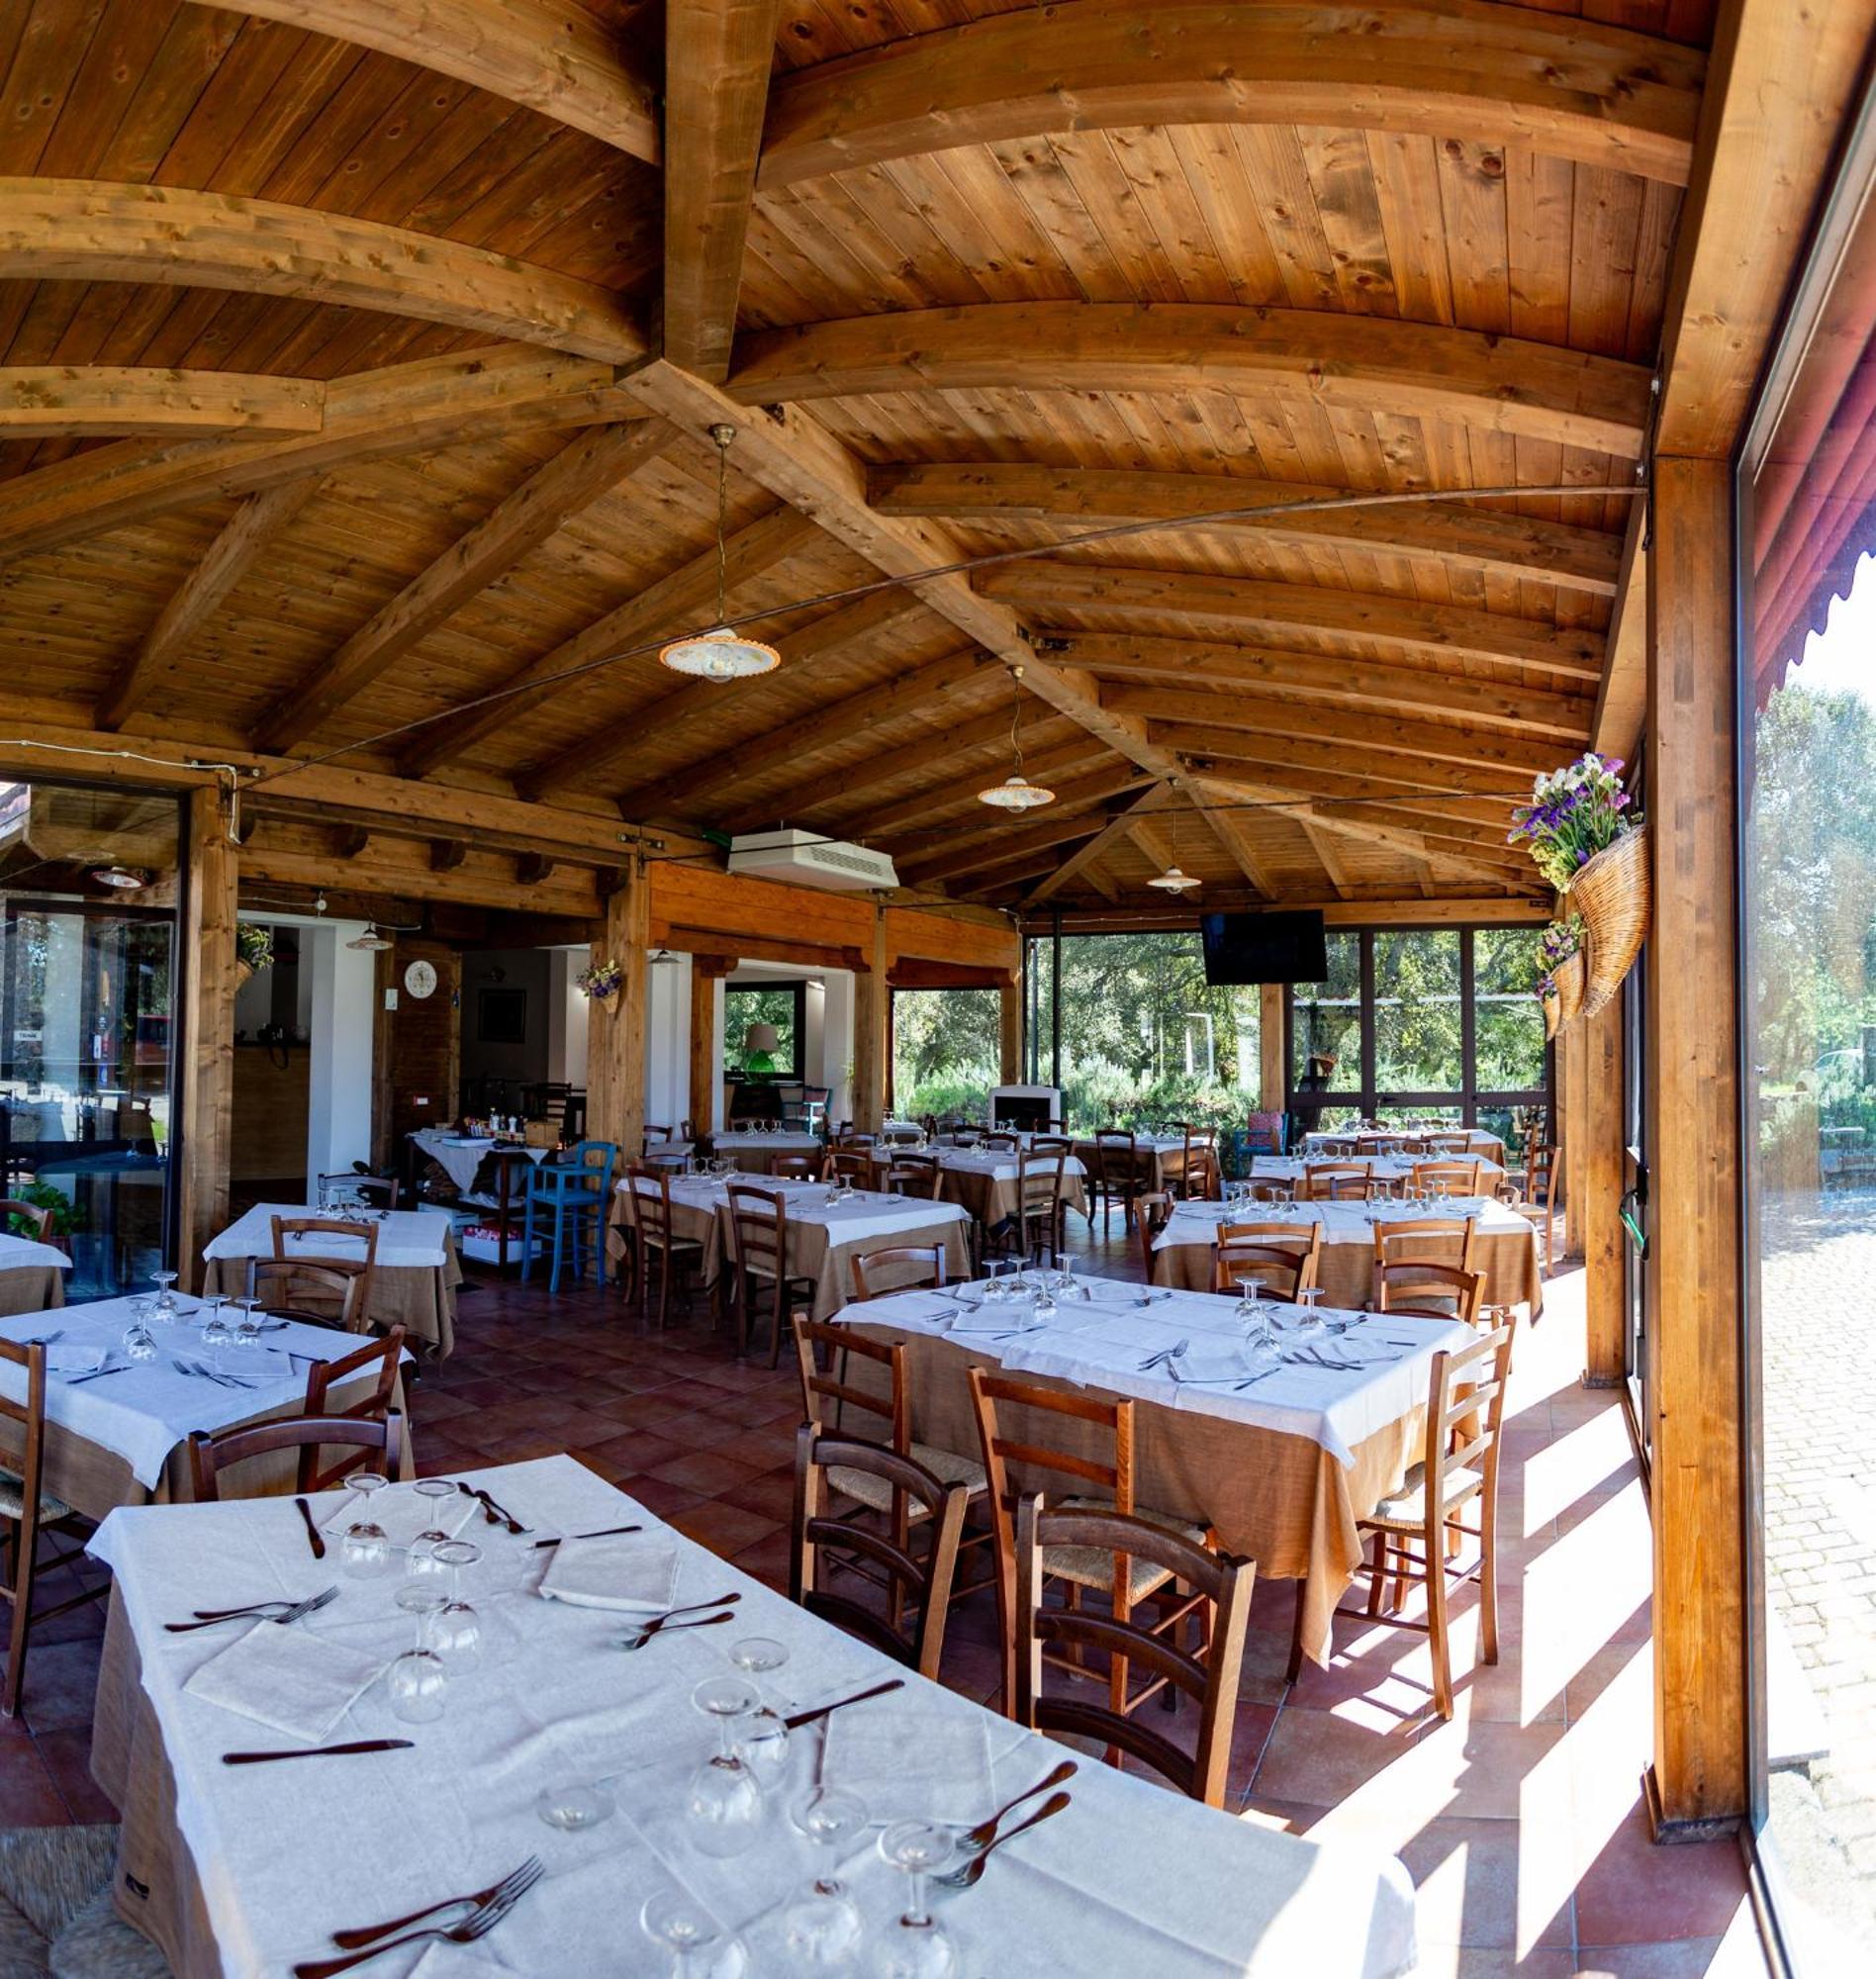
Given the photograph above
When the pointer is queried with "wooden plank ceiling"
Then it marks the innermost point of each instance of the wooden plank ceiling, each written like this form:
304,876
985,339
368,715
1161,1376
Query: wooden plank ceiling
359,359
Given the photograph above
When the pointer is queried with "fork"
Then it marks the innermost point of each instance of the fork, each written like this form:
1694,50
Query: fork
662,1627
1165,1353
515,1883
477,1924
310,1606
972,1873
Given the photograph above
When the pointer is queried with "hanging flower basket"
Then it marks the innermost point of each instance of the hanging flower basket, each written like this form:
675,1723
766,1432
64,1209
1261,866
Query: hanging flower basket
1570,983
1552,1008
1612,893
601,982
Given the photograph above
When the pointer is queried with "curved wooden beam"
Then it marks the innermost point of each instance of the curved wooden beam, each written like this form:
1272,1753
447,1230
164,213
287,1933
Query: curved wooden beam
550,55
97,230
38,401
1444,68
1321,357
1451,533
402,408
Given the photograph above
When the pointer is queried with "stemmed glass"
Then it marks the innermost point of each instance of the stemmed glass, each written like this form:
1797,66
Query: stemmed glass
247,1327
417,1678
915,1946
139,1344
215,1331
723,1804
675,1918
365,1550
165,1294
456,1633
1260,1351
762,1739
1310,1324
821,1925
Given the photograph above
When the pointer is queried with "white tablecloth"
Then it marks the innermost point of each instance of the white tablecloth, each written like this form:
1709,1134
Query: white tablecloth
460,1156
408,1239
142,1414
1382,1168
1476,1138
866,1217
1101,1342
998,1164
1132,1879
25,1254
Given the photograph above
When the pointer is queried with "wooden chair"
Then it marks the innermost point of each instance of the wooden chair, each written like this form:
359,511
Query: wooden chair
1041,1214
1151,1213
308,1229
1427,1240
38,1217
325,1375
1286,1257
653,1242
1051,1144
1459,1467
1539,1206
927,1261
915,1174
1116,1177
1199,1174
794,1167
1211,1677
1320,1179
819,1460
315,1294
376,1191
1128,1582
1458,1143
758,1229
848,1166
1001,1140
29,1509
654,1137
1429,1292
1460,1177
210,1456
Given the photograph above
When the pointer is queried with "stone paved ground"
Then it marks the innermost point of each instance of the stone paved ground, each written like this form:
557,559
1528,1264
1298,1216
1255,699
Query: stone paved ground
1819,1290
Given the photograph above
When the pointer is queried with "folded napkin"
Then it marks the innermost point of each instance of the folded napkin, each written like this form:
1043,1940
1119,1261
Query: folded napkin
74,1357
931,1306
402,1513
911,1763
288,1678
451,1961
614,1572
1213,1370
253,1364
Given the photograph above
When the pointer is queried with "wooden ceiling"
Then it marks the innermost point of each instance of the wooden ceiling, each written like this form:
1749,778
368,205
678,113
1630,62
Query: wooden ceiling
359,359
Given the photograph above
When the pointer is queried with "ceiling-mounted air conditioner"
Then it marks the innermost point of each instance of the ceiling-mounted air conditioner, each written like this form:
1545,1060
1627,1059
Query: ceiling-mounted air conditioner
806,859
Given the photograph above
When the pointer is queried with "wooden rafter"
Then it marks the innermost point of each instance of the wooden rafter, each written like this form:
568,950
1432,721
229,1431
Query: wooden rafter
401,409
1272,611
1446,534
555,56
717,56
39,401
1602,96
586,468
991,830
239,544
665,606
1126,823
1339,758
96,230
1018,842
957,796
1306,797
1319,357
1229,827
1392,833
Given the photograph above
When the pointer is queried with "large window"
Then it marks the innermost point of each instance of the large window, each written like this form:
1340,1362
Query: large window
1326,1024
765,1030
946,1049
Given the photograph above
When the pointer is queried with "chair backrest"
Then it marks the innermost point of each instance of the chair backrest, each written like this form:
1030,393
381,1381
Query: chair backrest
1151,1213
1463,1176
584,1170
312,1231
915,1174
648,1203
210,1456
325,1376
1285,1257
925,1262
1437,1240
1051,1144
1001,1138
379,1192
28,1461
927,1582
824,1355
758,1229
315,1293
1039,1183
1449,1144
1465,1411
848,1164
1541,1175
1210,1678
794,1167
655,1134
1417,1288
37,1216
1319,1178
1116,1158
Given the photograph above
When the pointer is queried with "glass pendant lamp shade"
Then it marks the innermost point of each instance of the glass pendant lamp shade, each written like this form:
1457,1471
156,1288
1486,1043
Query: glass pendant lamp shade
719,655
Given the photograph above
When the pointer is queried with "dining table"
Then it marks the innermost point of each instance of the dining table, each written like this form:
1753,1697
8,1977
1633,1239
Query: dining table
1487,1146
752,1152
418,1267
1127,1877
1504,1244
1159,1158
461,1156
116,1429
823,1236
985,1181
1292,1168
32,1274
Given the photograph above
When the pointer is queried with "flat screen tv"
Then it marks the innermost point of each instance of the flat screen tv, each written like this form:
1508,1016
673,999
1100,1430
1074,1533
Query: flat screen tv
1263,948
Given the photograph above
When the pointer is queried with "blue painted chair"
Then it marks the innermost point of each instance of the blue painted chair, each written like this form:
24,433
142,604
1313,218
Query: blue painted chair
571,1196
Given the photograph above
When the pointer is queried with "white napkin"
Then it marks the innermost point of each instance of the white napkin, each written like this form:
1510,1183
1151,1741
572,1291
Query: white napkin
253,1364
451,1961
288,1678
73,1356
999,1319
1208,1369
402,1513
616,1573
908,1764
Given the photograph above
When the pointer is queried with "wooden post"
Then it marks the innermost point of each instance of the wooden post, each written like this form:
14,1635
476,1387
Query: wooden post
615,1027
1573,1090
1696,1782
207,1063
707,1048
1009,1031
1271,1084
1599,1215
871,995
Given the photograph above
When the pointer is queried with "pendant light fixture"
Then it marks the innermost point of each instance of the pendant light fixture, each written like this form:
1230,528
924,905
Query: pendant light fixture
1173,880
722,653
1016,792
371,940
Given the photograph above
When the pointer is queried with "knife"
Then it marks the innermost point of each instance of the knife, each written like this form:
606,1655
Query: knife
821,1711
605,1532
319,1752
312,1531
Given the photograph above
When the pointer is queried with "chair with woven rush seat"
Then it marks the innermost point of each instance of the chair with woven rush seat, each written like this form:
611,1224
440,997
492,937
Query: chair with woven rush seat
1539,1204
1200,1173
1285,1257
325,1376
375,1191
1422,1290
1460,1177
571,1196
315,1294
1400,1248
1125,1580
210,1456
926,1263
1040,1211
653,1242
819,1461
758,1232
28,1508
851,1165
1320,1179
794,1167
1211,1678
57,1913
1151,1213
1116,1177
915,1174
310,1232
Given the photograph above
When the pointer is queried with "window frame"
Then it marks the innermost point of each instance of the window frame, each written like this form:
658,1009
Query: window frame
796,1072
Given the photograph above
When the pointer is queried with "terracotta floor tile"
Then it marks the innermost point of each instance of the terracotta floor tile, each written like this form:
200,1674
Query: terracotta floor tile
28,1794
1635,1893
724,1529
706,1471
67,1756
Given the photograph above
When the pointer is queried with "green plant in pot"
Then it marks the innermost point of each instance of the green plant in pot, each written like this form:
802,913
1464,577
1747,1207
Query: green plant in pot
43,1196
253,949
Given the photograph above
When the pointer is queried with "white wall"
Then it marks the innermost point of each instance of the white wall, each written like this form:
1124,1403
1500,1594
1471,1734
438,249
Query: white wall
337,988
837,1042
667,1043
567,1013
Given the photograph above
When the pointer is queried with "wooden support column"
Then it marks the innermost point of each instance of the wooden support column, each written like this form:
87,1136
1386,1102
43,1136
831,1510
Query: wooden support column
1696,1782
1600,1179
871,1044
616,1028
1573,1078
212,870
1009,1031
1271,1087
707,1048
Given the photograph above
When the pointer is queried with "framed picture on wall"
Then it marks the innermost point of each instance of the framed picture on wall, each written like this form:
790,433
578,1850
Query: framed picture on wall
502,1016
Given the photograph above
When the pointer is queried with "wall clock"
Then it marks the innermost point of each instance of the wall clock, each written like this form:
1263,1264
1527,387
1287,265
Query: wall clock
421,979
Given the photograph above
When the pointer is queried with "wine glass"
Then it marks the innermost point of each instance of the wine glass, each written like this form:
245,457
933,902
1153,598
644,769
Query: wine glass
247,1328
165,1292
417,1679
456,1632
915,1946
215,1331
577,1805
722,1803
675,1918
139,1344
1310,1325
821,1925
762,1739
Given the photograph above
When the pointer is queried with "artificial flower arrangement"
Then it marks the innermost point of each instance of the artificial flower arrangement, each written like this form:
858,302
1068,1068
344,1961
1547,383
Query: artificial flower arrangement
601,982
1574,813
1560,971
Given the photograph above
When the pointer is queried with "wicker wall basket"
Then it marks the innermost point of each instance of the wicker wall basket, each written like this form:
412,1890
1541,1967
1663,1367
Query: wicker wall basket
1570,984
1551,1016
1612,893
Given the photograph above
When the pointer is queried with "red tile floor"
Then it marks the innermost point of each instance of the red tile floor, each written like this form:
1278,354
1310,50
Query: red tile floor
1521,1819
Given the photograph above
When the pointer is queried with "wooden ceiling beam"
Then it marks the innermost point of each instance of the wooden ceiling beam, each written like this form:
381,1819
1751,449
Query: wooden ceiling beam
1126,823
992,828
717,57
1393,835
1608,96
246,536
99,230
1621,702
590,465
1301,801
1019,844
555,56
957,795
1232,833
1263,673
1450,533
1447,631
87,401
369,414
665,606
1323,358
1248,746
